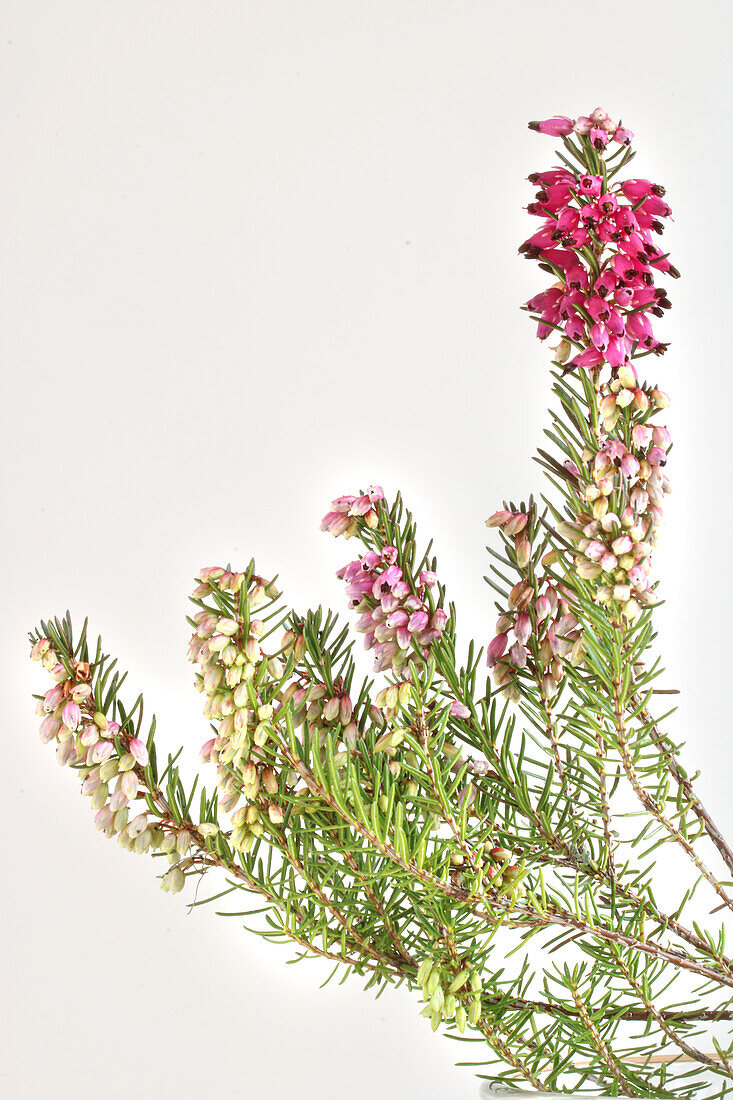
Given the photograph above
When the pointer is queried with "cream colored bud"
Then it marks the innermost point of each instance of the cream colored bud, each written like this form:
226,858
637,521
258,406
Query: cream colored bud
142,843
275,814
228,627
173,881
626,376
269,780
262,734
109,769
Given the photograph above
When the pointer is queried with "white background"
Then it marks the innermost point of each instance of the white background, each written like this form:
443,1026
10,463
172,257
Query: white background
255,255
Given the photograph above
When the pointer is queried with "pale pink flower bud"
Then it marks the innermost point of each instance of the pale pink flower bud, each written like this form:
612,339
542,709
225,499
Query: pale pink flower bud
621,545
523,627
71,715
331,708
459,710
129,784
91,782
439,620
521,596
548,686
641,435
518,655
53,697
345,709
66,753
542,608
517,523
498,519
138,825
496,649
523,551
662,438
102,751
139,751
39,648
629,465
49,728
103,818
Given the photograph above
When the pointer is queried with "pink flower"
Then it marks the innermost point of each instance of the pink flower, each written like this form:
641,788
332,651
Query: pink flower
71,715
139,751
496,649
555,127
523,628
459,710
623,136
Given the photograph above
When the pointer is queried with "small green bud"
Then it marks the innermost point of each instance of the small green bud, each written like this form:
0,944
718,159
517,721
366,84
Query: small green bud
459,981
424,970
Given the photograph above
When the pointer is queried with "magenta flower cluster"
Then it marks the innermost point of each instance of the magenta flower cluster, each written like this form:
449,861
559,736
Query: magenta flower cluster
394,616
604,308
597,239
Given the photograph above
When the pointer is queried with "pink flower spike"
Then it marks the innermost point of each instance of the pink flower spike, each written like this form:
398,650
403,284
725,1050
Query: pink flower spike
459,710
555,127
139,751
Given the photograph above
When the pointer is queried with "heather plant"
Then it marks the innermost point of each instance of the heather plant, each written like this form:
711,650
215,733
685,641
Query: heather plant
489,838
